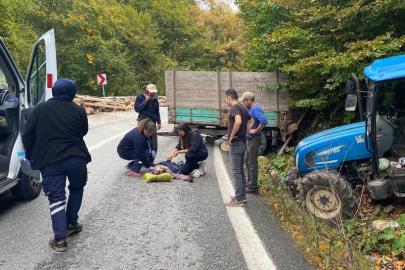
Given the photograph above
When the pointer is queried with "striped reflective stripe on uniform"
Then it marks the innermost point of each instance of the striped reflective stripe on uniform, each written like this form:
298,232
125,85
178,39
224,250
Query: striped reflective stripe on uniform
57,203
57,210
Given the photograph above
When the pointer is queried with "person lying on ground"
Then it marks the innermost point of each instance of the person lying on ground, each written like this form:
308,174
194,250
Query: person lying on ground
192,145
137,147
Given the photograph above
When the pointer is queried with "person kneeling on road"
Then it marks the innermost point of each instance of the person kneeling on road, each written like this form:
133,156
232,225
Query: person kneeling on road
192,145
53,141
137,146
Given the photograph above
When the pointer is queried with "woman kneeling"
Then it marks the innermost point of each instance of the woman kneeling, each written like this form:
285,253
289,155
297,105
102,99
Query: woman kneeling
192,145
137,146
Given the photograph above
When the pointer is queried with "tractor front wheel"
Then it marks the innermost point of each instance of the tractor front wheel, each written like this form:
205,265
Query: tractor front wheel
328,195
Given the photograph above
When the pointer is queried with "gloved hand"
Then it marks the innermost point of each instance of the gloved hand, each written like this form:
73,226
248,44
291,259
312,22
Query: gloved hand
153,154
151,168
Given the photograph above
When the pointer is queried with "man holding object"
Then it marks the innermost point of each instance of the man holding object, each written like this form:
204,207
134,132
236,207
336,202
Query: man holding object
147,106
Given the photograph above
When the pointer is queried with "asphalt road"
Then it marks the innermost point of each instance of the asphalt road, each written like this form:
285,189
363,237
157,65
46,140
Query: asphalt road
129,224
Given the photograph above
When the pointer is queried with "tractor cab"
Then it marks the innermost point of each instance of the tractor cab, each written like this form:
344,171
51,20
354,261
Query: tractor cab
382,108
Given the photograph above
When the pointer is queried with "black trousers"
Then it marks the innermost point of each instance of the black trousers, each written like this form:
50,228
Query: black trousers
192,160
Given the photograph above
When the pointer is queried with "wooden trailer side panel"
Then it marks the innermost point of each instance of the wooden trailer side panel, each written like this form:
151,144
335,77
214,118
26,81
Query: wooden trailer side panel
197,97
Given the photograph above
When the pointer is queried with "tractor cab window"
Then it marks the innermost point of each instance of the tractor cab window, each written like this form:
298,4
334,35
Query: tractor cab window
390,120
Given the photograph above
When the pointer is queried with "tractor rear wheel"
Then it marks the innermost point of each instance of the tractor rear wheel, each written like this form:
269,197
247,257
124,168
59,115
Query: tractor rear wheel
328,195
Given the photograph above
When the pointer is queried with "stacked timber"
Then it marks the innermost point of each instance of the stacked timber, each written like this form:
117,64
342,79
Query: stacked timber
162,101
94,105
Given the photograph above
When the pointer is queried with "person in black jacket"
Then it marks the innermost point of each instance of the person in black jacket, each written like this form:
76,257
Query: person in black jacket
137,146
53,141
192,145
147,106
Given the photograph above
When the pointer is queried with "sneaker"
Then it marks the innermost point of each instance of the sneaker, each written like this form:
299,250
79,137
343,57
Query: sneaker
251,190
203,166
59,246
134,174
129,166
234,203
74,228
244,199
197,173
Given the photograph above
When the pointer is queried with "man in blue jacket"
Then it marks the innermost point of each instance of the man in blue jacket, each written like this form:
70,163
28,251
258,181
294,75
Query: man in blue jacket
147,106
254,138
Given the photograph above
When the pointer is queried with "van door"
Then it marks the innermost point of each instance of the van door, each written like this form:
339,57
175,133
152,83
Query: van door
41,75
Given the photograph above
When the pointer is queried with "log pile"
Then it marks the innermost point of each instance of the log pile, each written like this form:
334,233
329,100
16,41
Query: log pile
162,101
94,105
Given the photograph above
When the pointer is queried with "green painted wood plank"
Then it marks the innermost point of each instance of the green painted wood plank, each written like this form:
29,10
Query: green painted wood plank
182,111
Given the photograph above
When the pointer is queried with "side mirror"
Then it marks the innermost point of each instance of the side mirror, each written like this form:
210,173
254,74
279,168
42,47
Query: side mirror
351,103
350,87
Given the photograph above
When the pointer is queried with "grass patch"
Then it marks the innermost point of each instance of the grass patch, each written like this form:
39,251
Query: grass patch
354,244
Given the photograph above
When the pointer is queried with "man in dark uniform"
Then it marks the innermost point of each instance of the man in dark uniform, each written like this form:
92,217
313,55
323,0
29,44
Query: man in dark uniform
147,106
54,144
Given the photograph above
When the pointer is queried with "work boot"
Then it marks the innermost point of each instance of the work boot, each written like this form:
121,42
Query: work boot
234,203
74,228
59,246
251,190
244,199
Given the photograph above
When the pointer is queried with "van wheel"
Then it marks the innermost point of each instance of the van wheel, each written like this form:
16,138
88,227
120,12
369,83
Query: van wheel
27,189
328,195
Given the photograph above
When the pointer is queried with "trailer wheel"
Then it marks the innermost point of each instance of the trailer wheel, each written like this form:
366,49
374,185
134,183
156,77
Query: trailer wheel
328,195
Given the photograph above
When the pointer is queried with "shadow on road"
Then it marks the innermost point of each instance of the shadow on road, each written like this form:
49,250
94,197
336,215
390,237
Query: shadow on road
7,203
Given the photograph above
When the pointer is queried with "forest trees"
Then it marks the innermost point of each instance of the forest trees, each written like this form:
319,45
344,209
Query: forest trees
320,43
134,42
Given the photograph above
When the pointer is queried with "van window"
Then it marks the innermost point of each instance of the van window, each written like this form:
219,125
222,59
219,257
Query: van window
3,81
3,86
37,77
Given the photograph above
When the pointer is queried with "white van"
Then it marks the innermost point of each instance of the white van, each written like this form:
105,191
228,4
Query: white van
17,100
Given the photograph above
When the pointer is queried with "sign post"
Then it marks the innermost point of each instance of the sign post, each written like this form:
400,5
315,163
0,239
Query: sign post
102,80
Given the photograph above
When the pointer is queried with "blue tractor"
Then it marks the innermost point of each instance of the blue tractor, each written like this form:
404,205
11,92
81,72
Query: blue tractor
329,164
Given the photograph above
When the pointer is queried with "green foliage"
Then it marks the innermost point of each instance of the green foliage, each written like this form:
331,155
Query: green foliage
369,239
325,247
320,43
133,42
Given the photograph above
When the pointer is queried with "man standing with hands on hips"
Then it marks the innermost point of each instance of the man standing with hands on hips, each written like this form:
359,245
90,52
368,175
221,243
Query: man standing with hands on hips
147,105
237,128
254,138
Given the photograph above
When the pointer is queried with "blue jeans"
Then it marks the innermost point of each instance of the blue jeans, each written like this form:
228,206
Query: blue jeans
237,156
54,183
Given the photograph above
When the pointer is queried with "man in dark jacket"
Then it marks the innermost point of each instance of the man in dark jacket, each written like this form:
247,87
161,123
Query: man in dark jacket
147,106
53,141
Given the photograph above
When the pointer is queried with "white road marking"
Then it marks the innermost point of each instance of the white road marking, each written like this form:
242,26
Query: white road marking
103,142
252,247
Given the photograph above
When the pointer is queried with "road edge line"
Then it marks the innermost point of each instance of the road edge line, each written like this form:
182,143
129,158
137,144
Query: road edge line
103,142
253,250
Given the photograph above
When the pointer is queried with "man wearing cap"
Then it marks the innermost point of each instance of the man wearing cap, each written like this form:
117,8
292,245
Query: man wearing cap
147,106
254,138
